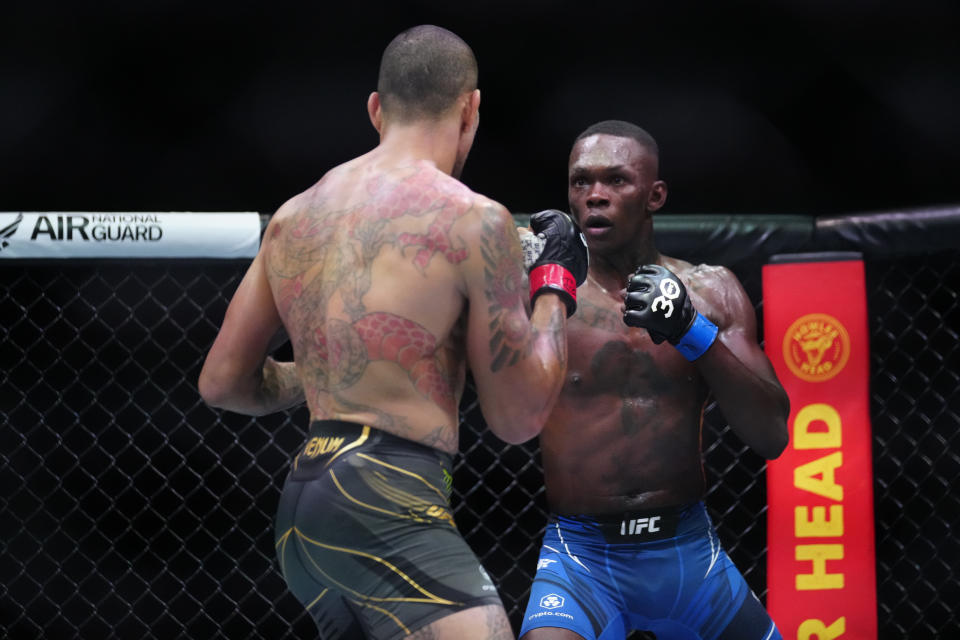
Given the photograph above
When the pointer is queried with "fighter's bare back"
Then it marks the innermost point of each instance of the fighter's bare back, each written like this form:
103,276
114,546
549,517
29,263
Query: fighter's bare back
363,267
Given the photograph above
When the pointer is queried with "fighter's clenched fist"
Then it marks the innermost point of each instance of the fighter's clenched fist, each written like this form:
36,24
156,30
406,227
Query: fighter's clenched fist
657,301
562,264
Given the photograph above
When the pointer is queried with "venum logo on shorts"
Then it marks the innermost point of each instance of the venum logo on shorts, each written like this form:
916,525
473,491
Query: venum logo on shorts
7,232
322,445
816,347
543,563
551,601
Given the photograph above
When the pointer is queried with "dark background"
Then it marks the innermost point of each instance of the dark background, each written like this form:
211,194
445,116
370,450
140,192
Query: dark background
806,106
781,106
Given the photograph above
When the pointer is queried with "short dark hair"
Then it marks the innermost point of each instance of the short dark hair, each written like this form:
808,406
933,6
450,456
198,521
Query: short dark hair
622,129
423,71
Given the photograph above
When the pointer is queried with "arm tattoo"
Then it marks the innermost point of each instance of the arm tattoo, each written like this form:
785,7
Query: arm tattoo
558,336
510,334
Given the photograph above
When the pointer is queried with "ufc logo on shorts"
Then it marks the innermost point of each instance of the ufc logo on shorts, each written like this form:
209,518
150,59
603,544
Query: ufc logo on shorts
671,291
639,525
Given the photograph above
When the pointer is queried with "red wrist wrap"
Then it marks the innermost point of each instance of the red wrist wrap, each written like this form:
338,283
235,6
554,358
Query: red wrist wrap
553,276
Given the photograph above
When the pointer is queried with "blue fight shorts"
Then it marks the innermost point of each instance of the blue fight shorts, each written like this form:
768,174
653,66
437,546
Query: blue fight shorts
661,571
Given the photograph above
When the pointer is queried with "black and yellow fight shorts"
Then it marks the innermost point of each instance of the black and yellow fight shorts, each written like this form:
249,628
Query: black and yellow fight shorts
365,536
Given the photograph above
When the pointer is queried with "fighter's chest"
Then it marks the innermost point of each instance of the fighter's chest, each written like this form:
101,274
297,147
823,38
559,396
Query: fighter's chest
606,356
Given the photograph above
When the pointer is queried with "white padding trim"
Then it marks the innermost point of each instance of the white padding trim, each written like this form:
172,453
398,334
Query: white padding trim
133,234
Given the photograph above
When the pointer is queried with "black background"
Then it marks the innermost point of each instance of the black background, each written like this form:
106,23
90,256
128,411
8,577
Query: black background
782,106
806,106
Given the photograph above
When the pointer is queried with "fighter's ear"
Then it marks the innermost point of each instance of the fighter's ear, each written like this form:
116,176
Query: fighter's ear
658,195
470,112
375,112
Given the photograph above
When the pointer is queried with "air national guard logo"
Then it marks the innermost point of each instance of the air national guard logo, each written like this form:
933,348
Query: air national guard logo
7,232
816,347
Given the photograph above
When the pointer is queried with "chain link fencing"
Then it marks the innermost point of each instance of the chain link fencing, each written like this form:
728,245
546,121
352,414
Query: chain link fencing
131,510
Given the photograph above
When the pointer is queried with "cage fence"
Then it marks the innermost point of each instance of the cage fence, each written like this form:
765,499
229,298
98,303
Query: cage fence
131,510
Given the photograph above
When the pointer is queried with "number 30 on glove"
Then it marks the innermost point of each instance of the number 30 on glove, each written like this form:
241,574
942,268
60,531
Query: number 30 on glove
657,301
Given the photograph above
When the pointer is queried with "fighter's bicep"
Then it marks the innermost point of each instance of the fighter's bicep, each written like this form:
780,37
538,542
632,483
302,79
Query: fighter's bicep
738,325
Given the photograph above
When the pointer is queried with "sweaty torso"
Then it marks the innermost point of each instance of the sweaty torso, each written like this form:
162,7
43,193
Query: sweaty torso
363,269
625,433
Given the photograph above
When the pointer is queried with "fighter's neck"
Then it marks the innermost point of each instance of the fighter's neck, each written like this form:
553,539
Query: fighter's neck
434,143
611,271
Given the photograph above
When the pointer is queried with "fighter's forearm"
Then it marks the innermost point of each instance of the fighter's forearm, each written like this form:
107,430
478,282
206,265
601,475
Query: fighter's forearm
536,376
549,331
545,370
755,406
272,387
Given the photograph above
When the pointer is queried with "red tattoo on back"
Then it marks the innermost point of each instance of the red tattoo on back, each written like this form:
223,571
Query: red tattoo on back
437,239
288,290
396,339
420,195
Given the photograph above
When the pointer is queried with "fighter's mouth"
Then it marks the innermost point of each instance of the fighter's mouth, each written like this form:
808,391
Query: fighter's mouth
596,222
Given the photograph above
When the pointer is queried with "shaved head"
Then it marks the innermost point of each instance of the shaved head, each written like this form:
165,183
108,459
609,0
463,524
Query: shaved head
622,129
422,73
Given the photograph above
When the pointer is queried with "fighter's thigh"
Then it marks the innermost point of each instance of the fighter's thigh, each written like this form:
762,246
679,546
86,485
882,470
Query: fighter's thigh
486,622
551,633
751,622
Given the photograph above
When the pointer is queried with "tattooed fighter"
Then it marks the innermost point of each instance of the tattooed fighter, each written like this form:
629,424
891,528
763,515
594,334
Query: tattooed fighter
629,544
390,278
